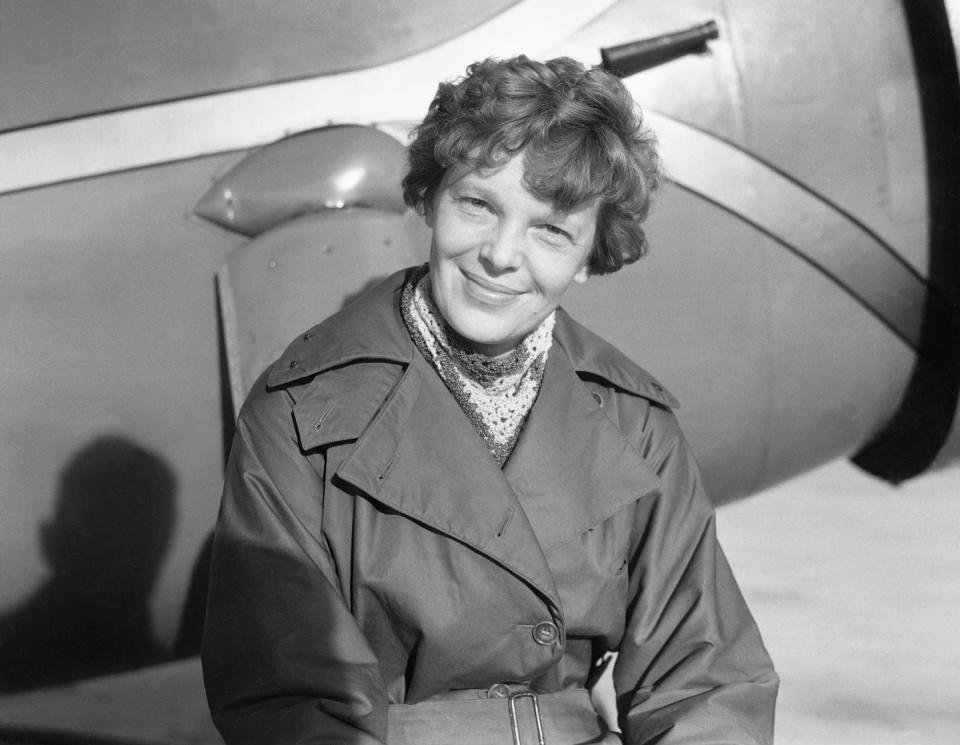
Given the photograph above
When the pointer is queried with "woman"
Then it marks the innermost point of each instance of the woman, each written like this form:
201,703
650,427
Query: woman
448,502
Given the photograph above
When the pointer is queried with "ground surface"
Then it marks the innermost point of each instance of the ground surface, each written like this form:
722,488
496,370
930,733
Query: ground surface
856,587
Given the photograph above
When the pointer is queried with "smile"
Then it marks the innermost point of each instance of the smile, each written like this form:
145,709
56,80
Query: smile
486,291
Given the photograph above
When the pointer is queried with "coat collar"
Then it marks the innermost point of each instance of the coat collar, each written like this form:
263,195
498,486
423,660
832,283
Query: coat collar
590,354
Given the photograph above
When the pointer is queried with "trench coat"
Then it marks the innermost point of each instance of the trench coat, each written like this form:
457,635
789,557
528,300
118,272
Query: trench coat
370,551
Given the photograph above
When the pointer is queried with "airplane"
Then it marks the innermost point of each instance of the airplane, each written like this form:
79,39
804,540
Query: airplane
186,186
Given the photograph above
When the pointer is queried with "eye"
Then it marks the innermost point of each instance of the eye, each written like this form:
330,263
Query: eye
472,205
555,234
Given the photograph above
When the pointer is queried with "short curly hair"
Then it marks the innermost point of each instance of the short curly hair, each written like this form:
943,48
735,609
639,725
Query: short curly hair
579,130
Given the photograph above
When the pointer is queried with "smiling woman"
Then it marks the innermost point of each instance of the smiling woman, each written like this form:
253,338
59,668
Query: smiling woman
449,502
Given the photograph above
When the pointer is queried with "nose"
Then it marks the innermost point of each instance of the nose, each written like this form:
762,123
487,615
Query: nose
502,250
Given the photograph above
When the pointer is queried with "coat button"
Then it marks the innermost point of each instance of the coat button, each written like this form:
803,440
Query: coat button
498,690
598,398
545,633
293,364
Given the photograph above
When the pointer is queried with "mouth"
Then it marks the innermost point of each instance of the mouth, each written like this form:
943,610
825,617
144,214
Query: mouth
485,289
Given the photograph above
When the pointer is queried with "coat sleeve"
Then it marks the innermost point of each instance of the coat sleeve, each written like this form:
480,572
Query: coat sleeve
283,659
692,668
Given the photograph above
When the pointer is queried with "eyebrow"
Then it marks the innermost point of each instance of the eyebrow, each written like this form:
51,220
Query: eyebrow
473,179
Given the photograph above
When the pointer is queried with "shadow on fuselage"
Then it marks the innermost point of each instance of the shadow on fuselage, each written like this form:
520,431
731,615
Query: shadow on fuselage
114,515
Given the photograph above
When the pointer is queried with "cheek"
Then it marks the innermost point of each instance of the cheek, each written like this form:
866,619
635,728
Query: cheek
555,276
449,240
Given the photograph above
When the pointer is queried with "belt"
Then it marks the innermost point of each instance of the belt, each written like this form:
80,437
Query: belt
503,714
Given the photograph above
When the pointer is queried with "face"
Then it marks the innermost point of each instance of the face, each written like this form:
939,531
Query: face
501,258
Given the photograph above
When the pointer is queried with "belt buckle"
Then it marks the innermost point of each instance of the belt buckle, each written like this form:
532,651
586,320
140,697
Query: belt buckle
512,704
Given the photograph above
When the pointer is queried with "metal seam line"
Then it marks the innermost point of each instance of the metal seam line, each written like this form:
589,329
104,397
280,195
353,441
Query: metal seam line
850,255
224,122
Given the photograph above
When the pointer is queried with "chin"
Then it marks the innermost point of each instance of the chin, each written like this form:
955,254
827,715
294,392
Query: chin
481,338
485,338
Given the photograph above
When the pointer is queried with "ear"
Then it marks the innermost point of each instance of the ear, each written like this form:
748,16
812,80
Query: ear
429,216
582,275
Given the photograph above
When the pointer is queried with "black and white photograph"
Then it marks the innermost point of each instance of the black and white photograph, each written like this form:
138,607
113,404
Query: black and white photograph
512,372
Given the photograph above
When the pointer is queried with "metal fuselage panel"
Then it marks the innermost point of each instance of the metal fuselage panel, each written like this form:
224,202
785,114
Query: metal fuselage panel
109,328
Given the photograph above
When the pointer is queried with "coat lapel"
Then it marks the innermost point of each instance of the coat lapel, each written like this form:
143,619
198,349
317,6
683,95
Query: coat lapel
422,457
572,467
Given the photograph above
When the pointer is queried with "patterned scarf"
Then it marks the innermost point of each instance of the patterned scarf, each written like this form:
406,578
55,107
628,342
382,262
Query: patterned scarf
496,393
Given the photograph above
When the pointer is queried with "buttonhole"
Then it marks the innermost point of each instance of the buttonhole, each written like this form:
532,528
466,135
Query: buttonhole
319,423
385,471
503,523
